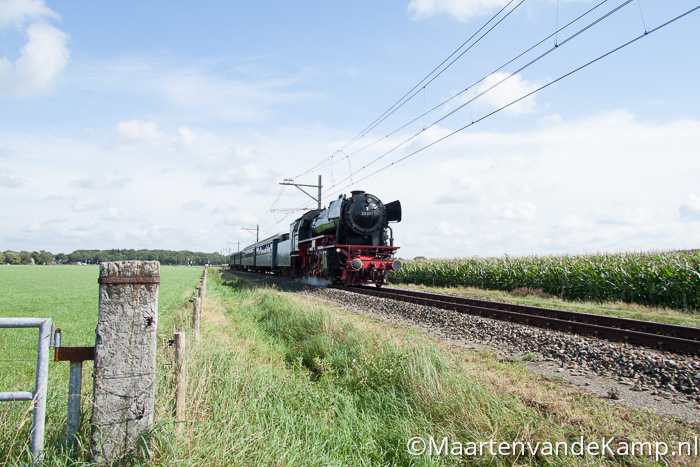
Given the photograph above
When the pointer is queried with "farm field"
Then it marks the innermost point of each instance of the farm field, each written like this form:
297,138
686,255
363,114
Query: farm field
68,295
659,279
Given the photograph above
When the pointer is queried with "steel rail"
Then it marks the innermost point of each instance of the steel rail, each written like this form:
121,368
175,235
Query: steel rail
662,336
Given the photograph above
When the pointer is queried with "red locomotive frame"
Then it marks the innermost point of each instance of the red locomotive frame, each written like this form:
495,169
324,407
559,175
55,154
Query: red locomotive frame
364,264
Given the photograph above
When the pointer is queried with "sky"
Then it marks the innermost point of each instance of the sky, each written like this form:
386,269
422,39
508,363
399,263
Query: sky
171,124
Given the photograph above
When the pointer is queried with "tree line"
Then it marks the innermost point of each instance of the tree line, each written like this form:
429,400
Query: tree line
166,257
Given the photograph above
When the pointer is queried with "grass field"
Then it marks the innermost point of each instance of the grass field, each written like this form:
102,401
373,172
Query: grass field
280,380
69,296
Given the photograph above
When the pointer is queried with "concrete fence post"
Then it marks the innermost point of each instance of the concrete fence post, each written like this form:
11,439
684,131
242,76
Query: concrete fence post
125,358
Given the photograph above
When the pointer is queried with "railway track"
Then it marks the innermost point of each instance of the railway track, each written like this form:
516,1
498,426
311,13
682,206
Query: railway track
667,337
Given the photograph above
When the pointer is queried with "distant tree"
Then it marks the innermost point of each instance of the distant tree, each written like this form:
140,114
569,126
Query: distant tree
42,257
2,257
165,257
25,257
75,257
83,256
12,258
102,257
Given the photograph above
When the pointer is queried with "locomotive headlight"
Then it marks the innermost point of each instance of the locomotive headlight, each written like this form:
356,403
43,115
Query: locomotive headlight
356,264
338,250
396,265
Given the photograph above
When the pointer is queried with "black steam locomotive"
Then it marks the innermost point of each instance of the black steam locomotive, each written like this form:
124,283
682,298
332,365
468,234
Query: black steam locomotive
350,242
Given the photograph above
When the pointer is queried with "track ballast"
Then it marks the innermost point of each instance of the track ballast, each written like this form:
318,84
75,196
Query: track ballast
661,336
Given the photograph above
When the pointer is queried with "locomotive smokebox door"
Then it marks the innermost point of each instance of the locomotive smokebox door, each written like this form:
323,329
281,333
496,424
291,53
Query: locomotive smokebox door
393,211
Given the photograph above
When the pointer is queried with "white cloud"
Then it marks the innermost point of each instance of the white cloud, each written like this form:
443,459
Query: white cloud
140,131
101,181
606,182
625,215
86,204
501,89
43,57
690,209
447,229
462,10
519,210
150,133
187,137
463,189
116,214
197,88
18,12
248,174
609,182
194,205
8,180
239,219
224,208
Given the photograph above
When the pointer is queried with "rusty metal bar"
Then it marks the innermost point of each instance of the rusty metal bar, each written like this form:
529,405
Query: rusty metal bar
141,280
74,354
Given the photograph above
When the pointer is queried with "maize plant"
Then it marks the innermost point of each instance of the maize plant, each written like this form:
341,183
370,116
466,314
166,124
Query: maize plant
664,279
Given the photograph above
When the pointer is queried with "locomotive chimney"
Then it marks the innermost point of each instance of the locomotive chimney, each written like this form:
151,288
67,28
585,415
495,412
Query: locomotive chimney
356,192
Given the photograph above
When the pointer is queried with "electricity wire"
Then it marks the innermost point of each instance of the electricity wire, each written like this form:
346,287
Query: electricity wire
493,86
441,104
328,192
405,141
616,49
399,103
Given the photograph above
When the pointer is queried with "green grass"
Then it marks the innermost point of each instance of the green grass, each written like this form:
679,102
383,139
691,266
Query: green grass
69,296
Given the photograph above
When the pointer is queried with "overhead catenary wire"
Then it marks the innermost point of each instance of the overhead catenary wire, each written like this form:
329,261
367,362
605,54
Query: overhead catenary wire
329,192
490,88
403,99
482,79
616,49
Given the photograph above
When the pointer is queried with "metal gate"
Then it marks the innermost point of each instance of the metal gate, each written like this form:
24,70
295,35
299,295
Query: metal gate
38,396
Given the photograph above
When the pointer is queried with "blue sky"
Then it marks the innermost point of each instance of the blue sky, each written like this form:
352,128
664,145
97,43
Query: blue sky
170,124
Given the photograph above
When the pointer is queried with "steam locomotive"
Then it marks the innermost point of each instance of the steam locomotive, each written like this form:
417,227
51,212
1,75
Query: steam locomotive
350,243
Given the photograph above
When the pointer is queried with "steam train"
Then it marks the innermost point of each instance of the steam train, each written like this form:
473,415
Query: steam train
350,243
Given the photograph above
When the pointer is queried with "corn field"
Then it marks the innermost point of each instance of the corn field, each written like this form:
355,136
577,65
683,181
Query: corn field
664,279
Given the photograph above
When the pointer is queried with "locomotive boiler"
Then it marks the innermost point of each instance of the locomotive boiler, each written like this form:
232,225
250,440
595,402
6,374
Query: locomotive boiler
350,242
